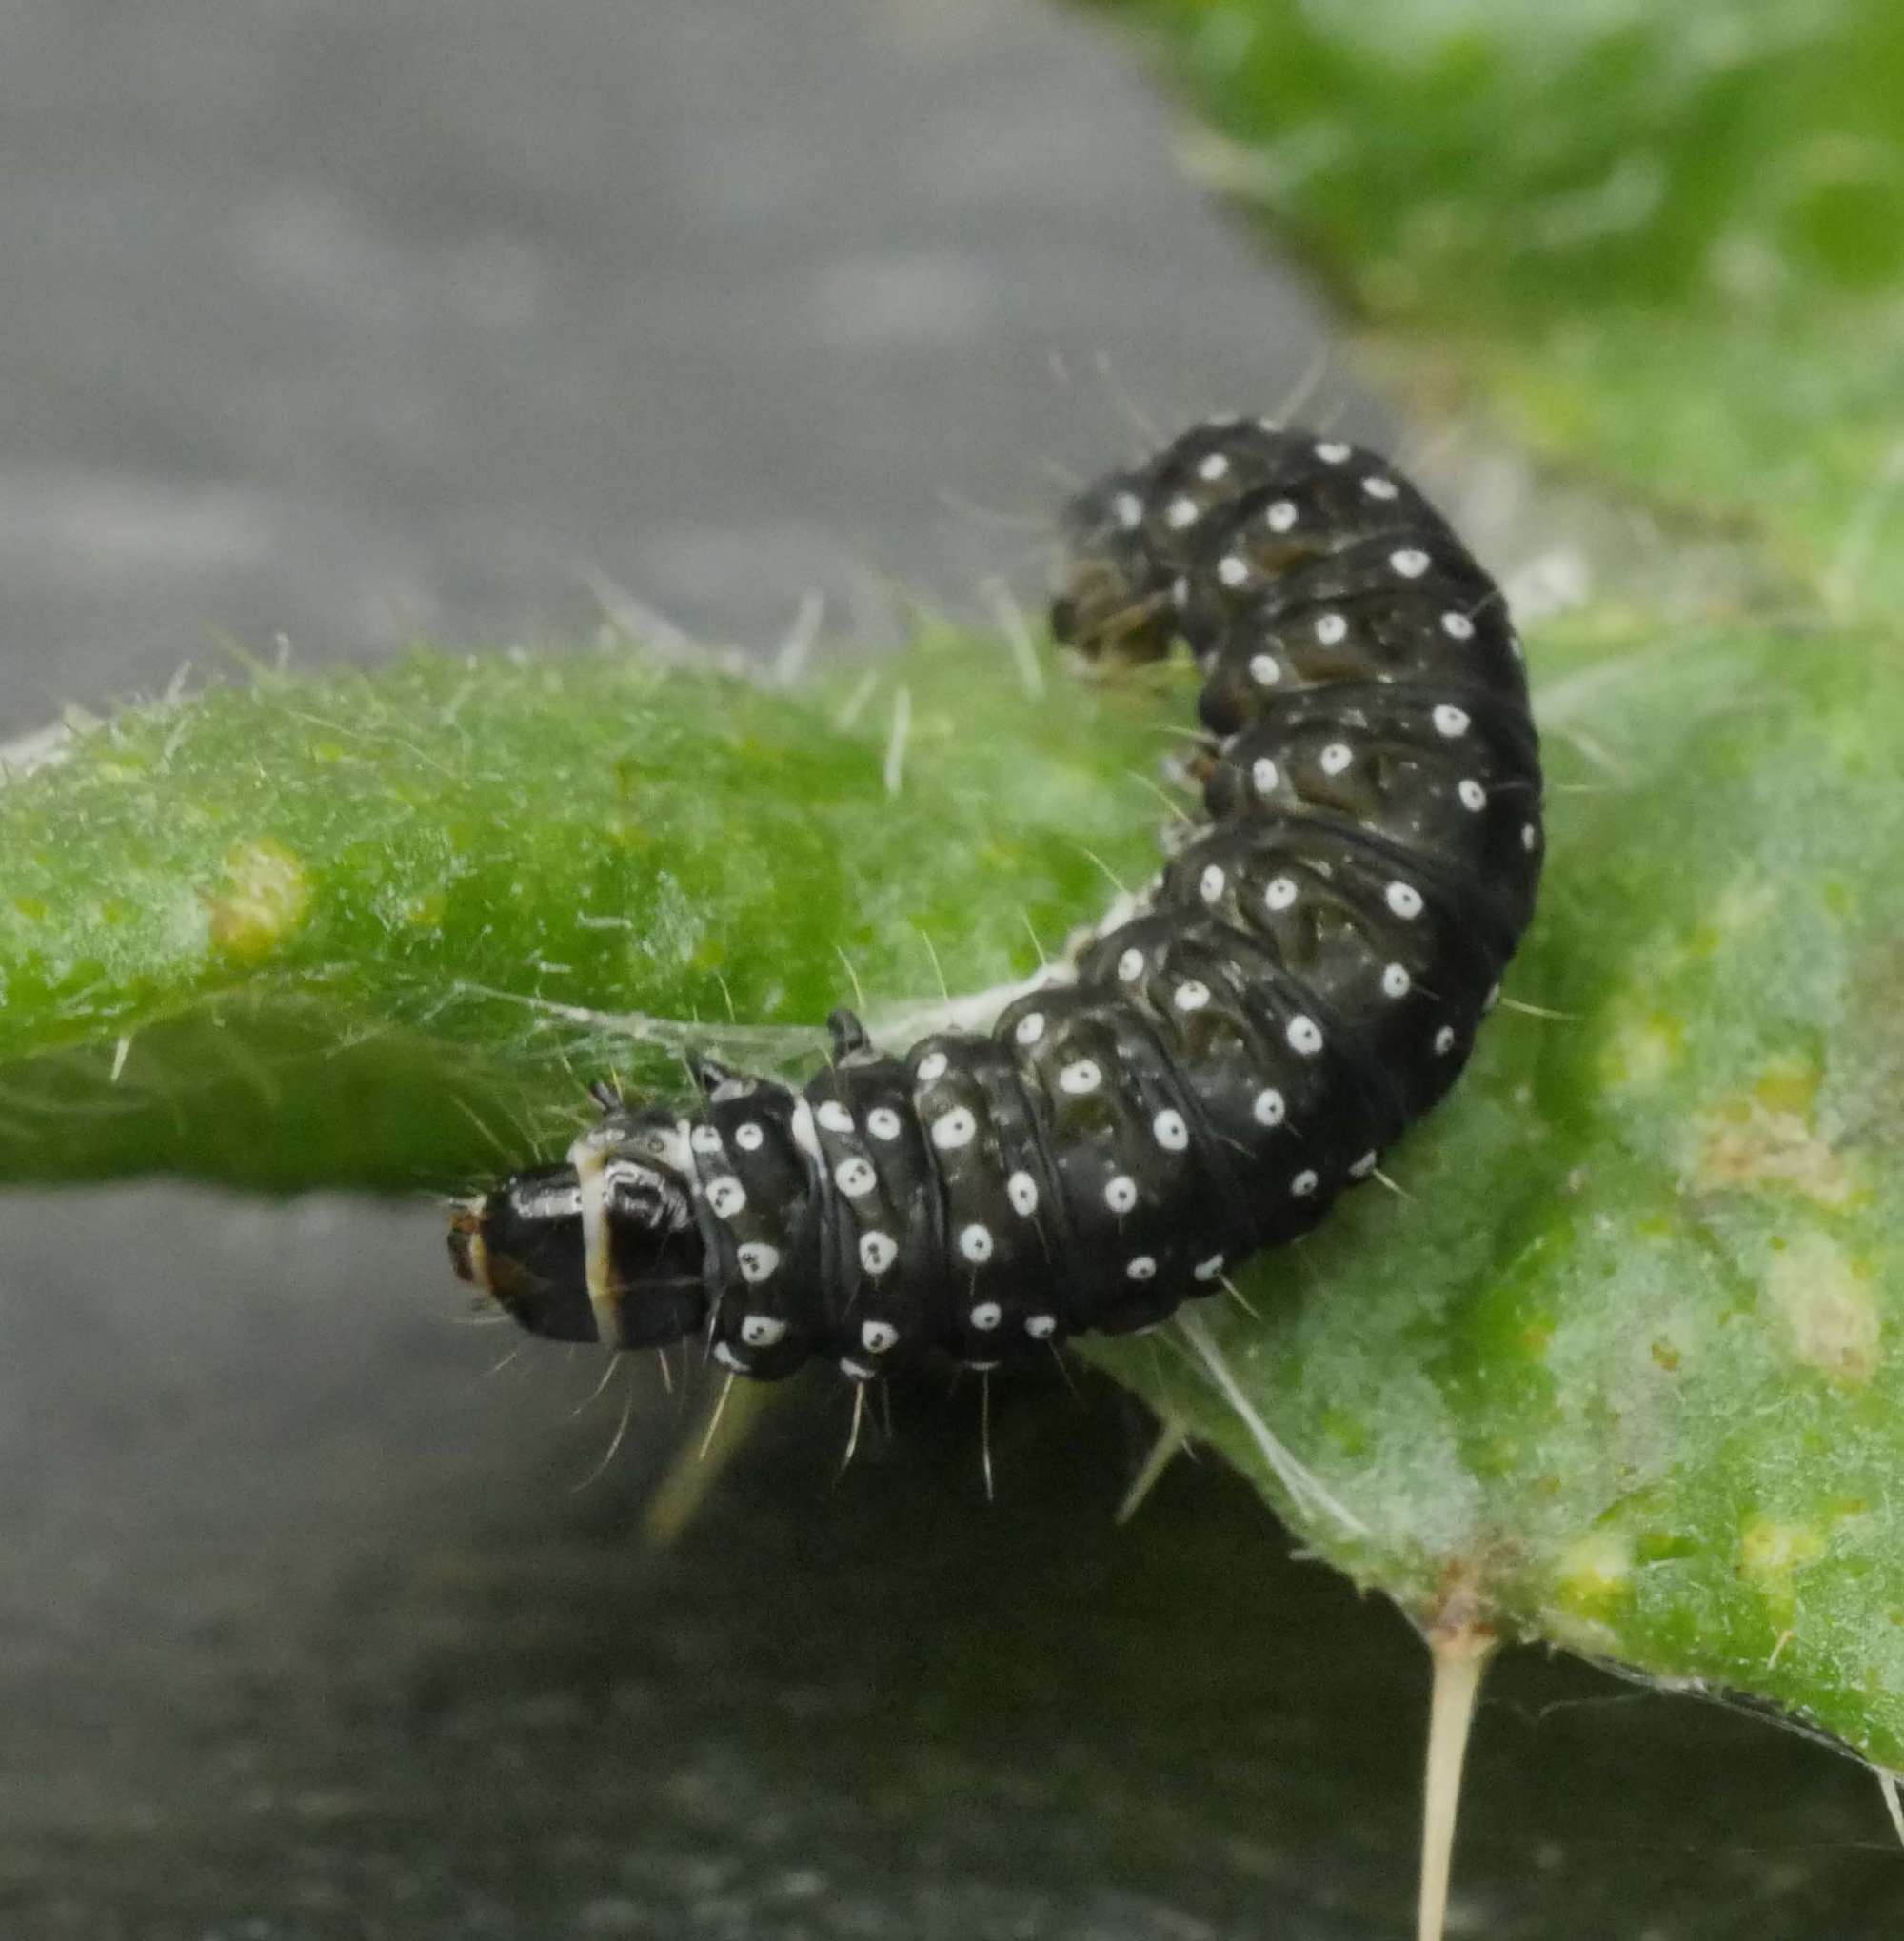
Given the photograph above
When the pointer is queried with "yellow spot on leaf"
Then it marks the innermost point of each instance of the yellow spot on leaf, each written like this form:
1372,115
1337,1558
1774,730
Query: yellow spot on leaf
1787,1084
1594,1573
1641,1051
1770,1552
1743,904
1766,1138
261,900
1820,1305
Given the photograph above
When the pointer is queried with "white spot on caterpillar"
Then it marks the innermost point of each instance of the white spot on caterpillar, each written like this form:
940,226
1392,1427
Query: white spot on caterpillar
1336,757
1211,886
1405,900
804,1136
1120,1193
1208,1270
931,1067
762,1331
1269,1108
1130,965
1281,516
1451,720
1303,1185
1281,892
834,1116
1141,1267
757,1260
1233,569
1180,593
1263,778
877,1252
855,1177
986,1316
1304,1036
883,1122
1180,513
975,1242
1396,980
1332,452
855,1371
1444,1041
876,1338
1264,671
1030,1028
726,1196
1363,1166
1214,468
1331,629
1191,995
1530,836
1127,510
1474,797
728,1359
748,1135
1022,1190
1040,1327
1171,1131
704,1139
1378,487
1411,562
1492,998
1080,1077
954,1129
1457,627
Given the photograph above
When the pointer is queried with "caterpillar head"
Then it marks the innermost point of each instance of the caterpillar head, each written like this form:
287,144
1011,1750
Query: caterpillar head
1114,599
603,1248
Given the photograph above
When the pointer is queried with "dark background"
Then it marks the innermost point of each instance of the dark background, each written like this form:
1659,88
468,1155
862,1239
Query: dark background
344,322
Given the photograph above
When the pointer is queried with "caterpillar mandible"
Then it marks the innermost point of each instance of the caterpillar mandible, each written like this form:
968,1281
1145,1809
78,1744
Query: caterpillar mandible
1223,1054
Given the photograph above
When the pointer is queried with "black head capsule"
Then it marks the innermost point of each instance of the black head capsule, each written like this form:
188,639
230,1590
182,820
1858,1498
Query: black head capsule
605,1248
1115,599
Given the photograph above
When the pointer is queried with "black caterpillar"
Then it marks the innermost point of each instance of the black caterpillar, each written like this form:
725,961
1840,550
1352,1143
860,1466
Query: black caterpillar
1214,1063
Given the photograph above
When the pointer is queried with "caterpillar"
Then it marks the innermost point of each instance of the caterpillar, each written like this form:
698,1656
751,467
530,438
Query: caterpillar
1213,1063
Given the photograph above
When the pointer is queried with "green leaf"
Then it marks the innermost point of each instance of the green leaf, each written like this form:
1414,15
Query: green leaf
1665,243
1621,1369
376,929
1624,1367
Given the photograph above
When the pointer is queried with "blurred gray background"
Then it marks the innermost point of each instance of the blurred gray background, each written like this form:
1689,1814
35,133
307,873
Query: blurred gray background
340,323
